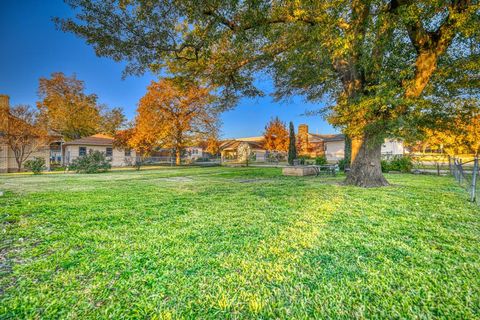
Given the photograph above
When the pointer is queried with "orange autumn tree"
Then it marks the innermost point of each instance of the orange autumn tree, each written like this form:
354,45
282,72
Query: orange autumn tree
175,114
276,135
463,137
211,144
66,108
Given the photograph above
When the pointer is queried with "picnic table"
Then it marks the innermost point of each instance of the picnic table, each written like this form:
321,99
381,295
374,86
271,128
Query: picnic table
329,169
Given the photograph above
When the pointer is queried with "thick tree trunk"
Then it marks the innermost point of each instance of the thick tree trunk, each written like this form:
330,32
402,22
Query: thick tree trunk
366,169
348,152
178,156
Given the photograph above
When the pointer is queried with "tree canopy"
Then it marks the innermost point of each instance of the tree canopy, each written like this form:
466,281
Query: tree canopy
276,135
461,138
66,108
386,67
24,134
112,120
175,114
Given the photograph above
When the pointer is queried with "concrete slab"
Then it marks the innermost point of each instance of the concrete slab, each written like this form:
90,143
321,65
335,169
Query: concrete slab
299,171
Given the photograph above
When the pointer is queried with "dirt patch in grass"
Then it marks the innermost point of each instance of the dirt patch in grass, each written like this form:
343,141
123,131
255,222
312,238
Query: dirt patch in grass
177,179
252,180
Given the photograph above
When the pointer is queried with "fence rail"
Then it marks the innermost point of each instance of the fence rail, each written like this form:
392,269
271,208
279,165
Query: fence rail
167,160
466,173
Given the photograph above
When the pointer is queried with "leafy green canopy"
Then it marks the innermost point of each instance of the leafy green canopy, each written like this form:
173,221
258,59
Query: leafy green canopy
387,67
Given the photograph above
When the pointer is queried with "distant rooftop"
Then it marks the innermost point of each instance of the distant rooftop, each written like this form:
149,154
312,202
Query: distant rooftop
95,140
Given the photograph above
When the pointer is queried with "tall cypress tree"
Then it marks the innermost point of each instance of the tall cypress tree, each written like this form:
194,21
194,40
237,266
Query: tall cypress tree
292,147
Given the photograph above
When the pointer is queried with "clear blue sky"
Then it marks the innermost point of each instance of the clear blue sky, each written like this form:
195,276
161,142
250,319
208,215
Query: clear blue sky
31,48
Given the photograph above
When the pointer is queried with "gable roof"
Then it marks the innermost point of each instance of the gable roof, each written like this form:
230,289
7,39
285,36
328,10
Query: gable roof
258,139
328,137
95,140
233,145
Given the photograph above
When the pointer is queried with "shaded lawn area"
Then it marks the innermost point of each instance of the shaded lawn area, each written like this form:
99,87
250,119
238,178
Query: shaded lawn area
236,243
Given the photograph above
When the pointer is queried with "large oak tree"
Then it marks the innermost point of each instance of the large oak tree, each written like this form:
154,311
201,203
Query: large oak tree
387,67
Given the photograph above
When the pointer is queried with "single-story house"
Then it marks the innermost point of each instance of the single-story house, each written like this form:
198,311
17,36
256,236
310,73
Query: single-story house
194,153
98,142
335,147
241,148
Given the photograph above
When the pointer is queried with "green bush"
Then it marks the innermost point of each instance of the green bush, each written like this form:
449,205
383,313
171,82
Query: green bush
37,165
58,168
93,162
385,165
397,163
305,160
319,161
341,164
401,163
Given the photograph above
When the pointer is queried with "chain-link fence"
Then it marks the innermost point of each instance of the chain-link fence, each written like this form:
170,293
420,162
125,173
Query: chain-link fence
466,173
171,160
8,164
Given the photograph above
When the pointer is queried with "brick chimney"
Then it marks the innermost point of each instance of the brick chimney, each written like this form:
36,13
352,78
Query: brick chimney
303,138
4,110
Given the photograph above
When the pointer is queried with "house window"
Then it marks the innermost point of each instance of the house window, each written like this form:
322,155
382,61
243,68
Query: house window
109,152
82,151
128,152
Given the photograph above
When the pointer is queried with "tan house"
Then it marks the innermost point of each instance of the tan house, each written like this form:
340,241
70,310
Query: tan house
98,142
238,149
8,161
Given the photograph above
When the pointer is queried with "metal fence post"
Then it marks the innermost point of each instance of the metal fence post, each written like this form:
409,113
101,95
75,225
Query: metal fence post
455,169
460,171
450,164
474,180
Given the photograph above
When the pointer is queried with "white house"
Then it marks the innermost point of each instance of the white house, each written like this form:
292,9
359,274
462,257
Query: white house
98,142
194,152
335,147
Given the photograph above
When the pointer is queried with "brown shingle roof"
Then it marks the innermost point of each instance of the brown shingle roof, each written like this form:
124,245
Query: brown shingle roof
329,137
233,144
95,140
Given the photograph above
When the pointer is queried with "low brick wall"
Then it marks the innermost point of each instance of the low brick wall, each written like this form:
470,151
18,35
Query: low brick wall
299,171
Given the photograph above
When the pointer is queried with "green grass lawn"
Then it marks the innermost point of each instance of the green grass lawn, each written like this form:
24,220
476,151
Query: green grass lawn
236,243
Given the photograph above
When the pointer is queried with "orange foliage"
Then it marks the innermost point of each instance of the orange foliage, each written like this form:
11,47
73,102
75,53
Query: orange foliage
211,145
174,114
276,135
462,138
66,108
